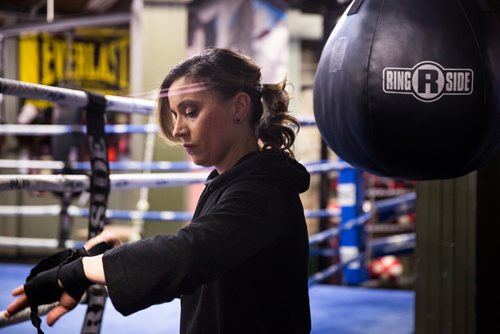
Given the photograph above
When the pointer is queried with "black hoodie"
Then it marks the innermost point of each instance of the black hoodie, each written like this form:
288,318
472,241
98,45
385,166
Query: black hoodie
239,267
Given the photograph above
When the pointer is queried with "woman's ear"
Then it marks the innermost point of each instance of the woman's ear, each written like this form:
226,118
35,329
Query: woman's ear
242,107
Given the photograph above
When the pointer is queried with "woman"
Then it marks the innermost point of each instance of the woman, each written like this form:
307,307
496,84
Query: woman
240,266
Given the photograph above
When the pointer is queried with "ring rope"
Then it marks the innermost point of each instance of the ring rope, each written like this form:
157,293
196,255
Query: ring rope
332,270
74,97
24,315
79,98
59,129
394,245
79,183
399,204
37,242
313,167
74,211
334,231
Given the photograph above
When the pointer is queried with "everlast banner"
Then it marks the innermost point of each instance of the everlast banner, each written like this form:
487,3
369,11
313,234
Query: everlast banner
87,59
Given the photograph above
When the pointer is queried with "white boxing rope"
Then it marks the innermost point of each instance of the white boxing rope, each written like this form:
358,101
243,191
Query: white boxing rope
74,97
36,242
24,315
323,166
62,183
313,167
79,183
30,210
74,211
113,165
33,164
55,129
79,98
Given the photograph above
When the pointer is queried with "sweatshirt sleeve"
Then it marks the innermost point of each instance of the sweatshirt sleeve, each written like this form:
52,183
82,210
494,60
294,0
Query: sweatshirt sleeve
158,269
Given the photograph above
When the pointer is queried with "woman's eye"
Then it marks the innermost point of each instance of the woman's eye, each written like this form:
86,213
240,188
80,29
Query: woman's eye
191,112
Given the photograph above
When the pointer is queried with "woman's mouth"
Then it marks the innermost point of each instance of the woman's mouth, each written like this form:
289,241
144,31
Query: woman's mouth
189,148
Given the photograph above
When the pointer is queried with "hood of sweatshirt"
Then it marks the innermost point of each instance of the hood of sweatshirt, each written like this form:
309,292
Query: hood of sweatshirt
268,165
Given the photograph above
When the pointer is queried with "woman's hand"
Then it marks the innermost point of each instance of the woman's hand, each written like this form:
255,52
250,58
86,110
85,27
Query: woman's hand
107,237
66,304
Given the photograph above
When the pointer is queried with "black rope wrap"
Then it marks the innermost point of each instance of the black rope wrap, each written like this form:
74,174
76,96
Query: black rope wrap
41,289
99,191
99,179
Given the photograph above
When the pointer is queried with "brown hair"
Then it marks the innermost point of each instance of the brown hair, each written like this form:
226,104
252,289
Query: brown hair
230,72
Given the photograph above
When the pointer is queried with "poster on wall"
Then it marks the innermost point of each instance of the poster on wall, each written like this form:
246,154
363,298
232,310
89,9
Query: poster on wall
258,28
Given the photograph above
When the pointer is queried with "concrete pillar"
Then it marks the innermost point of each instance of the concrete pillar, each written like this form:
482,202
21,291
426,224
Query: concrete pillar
159,35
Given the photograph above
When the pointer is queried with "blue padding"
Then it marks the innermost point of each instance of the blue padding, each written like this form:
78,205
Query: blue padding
334,309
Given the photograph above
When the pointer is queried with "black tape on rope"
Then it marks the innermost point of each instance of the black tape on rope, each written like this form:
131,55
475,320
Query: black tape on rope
99,180
99,191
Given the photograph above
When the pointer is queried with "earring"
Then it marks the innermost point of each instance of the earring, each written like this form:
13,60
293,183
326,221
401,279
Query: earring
236,120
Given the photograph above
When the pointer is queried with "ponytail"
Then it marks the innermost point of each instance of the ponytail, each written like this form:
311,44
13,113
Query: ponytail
275,128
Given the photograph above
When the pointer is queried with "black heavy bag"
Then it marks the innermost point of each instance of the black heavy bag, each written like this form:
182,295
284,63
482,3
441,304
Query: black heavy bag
411,88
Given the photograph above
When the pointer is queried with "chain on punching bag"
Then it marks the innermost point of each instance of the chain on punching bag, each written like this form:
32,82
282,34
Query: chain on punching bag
411,88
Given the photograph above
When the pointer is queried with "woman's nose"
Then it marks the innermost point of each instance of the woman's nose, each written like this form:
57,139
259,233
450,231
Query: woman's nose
179,128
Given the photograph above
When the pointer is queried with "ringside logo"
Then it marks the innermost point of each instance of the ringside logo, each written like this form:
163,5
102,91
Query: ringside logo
428,81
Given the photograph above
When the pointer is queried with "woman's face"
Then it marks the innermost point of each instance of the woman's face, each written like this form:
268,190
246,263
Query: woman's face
204,124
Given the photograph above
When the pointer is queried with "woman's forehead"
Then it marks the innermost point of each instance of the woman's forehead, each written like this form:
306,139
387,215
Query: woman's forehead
183,86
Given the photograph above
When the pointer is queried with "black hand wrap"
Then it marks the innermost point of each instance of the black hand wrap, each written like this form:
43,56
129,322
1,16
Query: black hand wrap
66,256
42,286
56,259
73,279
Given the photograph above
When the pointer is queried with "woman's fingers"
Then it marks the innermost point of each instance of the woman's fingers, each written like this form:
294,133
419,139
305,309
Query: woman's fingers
108,237
56,313
66,304
17,291
17,305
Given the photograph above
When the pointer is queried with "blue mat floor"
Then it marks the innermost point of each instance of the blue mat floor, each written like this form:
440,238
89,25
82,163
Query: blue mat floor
334,310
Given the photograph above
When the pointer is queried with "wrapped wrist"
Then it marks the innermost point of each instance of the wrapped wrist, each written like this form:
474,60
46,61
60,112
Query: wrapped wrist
73,279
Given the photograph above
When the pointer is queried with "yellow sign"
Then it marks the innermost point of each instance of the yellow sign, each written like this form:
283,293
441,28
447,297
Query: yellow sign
89,59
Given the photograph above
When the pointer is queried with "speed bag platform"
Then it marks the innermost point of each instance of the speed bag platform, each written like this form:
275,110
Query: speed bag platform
411,88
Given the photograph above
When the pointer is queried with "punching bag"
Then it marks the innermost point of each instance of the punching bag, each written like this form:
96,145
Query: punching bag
411,88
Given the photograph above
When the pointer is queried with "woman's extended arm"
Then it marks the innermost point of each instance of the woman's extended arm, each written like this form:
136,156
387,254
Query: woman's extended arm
93,268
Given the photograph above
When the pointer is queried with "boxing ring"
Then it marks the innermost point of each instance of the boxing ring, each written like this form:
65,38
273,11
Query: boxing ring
334,309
